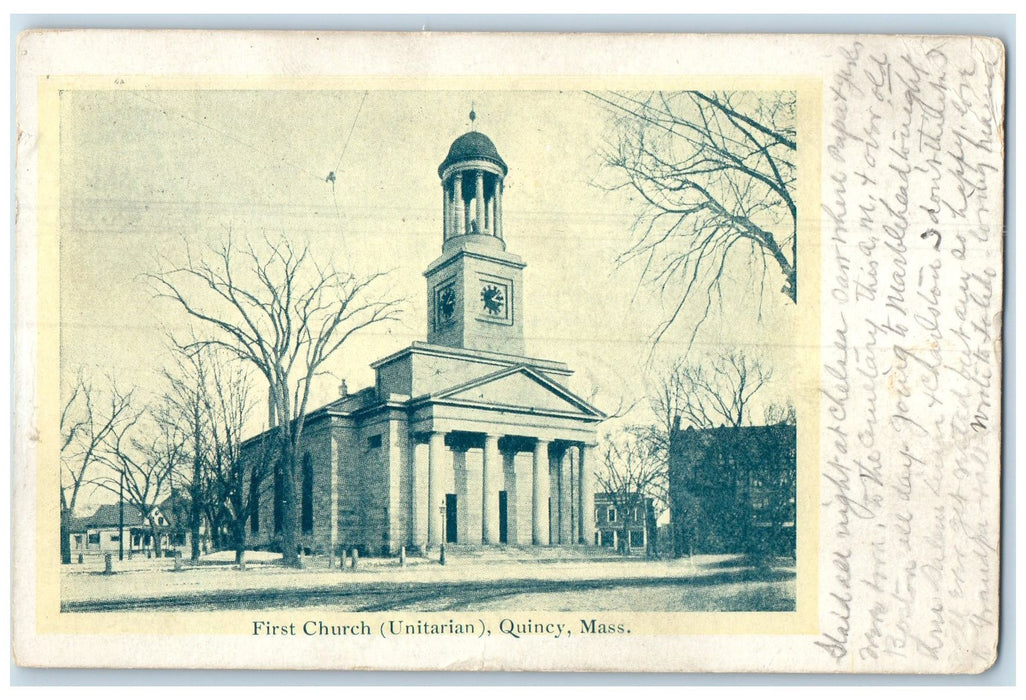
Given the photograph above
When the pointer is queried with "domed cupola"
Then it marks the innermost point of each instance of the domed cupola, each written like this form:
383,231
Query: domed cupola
475,289
472,175
473,145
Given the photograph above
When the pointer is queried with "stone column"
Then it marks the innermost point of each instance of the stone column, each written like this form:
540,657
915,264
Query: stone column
540,494
490,491
566,532
586,494
457,203
435,499
479,196
553,497
461,475
509,472
419,493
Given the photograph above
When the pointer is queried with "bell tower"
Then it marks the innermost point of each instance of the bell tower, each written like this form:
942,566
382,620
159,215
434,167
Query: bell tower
475,289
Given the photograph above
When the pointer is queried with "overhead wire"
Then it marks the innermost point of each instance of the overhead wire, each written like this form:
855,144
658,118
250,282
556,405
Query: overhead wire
167,111
331,178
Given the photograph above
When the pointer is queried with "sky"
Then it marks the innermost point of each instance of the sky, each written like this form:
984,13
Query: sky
146,173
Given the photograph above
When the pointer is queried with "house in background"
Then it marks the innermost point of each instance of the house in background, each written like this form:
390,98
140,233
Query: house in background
732,490
611,523
102,531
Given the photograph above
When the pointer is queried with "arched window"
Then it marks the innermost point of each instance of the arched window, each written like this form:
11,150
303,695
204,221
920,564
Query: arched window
307,497
278,496
254,502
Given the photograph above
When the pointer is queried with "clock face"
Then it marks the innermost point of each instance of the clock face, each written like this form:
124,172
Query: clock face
447,303
493,299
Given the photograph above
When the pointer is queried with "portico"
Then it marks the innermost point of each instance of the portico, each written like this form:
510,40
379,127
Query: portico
499,489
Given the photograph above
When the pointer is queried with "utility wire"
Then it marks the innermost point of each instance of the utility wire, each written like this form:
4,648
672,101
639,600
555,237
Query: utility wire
167,113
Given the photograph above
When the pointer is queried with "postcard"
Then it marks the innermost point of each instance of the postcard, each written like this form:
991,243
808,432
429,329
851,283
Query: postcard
508,351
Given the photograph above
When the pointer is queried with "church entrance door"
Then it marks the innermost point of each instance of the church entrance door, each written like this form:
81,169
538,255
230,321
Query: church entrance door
503,518
450,517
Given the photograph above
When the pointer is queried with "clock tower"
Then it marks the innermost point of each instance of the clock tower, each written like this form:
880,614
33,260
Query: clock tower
475,288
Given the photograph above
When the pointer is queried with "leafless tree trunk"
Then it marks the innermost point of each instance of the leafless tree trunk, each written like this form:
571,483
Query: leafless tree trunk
85,426
227,404
715,176
284,312
186,397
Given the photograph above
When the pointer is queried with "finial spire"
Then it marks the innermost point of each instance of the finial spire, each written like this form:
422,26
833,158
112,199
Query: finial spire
473,116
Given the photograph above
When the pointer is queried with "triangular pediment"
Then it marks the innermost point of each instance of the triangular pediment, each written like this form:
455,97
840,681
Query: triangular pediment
523,388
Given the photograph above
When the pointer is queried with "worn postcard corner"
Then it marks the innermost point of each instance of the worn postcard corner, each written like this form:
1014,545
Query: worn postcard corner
346,351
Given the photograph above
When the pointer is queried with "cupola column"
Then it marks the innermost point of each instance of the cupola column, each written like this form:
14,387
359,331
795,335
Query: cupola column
457,200
446,212
498,208
479,195
490,210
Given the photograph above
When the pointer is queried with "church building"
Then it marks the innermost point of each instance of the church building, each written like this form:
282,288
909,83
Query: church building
463,438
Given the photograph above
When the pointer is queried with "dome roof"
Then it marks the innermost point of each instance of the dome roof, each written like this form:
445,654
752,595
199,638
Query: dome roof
473,145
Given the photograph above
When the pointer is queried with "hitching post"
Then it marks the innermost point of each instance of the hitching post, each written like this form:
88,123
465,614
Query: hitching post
108,563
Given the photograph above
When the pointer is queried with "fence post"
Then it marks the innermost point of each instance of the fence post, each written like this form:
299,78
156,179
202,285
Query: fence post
108,563
356,557
402,556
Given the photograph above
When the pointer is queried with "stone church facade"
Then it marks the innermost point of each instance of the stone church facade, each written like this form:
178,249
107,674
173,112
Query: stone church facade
464,438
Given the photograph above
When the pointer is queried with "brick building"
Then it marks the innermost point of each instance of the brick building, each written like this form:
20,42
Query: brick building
613,523
732,490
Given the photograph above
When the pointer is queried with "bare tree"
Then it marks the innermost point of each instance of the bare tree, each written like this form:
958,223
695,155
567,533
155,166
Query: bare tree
186,397
144,454
86,422
631,474
710,393
285,313
716,177
780,414
227,404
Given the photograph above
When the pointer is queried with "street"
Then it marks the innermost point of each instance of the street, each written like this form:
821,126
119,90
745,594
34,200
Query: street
465,583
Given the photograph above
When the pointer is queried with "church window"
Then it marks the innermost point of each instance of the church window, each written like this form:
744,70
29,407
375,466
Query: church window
307,495
254,502
278,496
374,442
